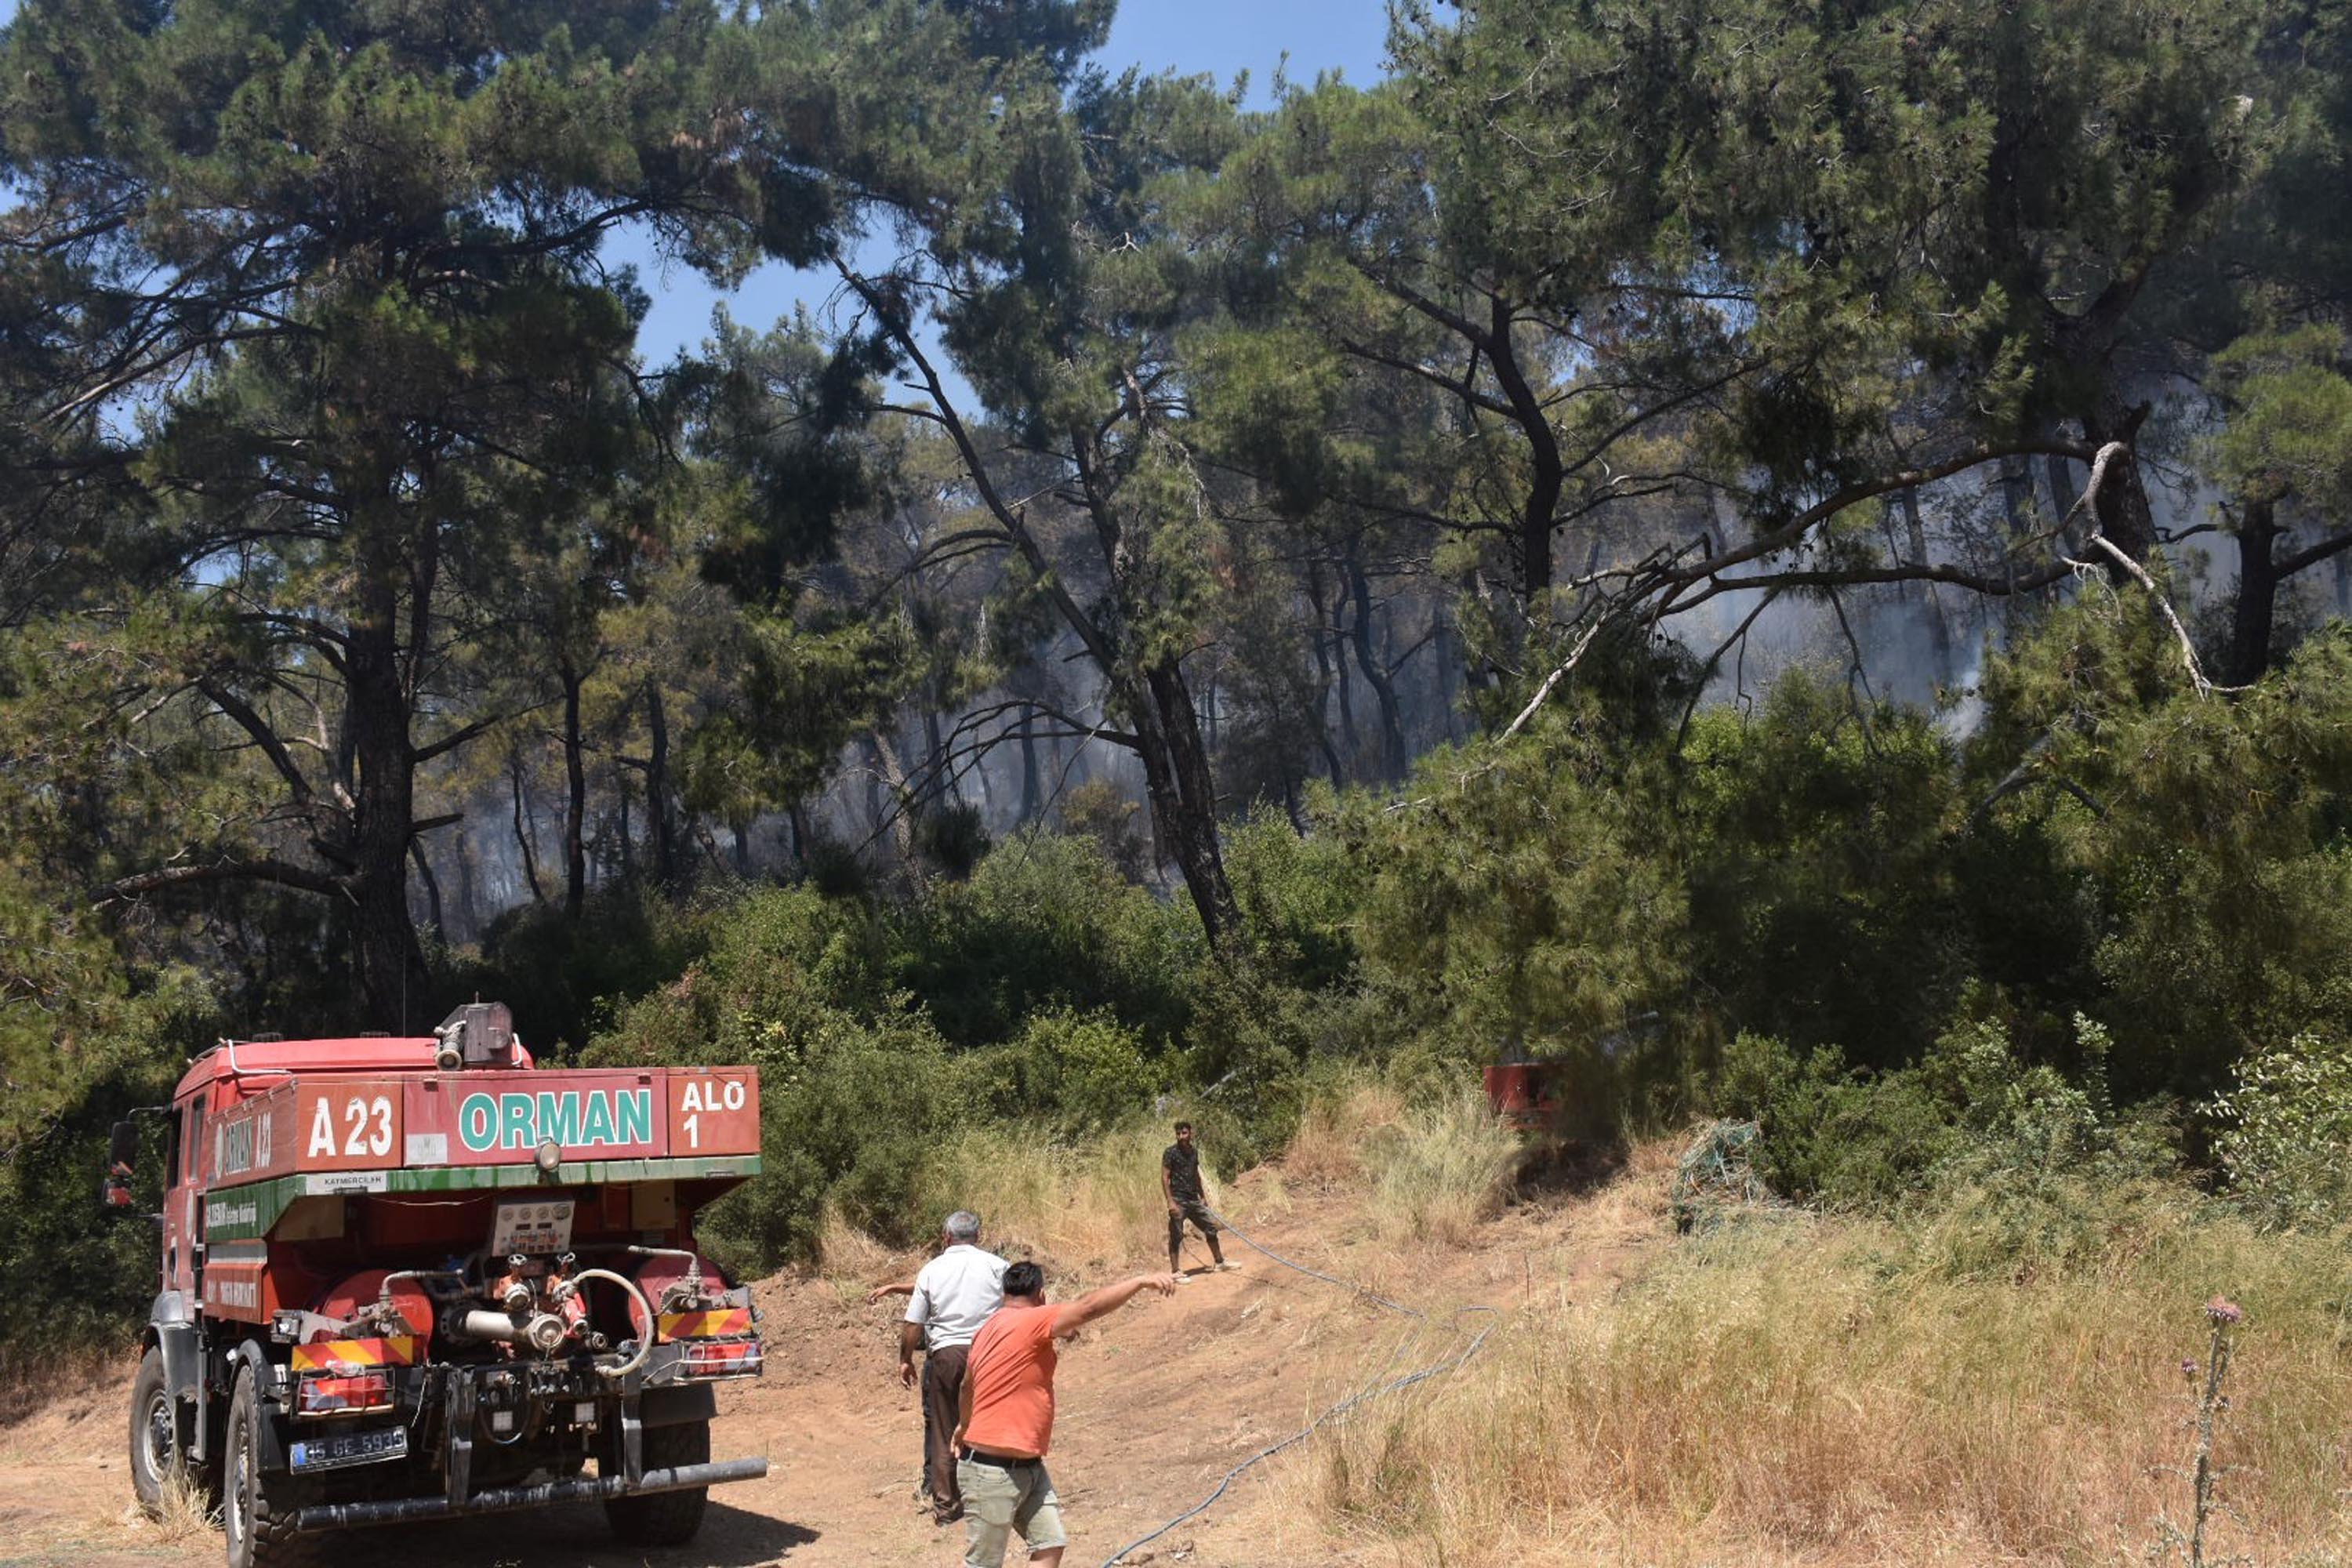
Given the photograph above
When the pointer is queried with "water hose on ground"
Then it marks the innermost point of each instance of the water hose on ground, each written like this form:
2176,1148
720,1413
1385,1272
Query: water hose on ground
1382,1385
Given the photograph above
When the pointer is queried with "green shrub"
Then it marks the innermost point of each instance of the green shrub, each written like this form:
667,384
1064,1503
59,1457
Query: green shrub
1046,921
1298,896
1972,1114
1815,849
2285,1144
850,1114
1077,1073
775,962
564,978
1246,1049
1832,1135
1523,897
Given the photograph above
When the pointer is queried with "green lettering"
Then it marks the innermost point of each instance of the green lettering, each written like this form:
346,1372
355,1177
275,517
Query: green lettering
636,1116
559,1118
598,1124
477,1122
515,1118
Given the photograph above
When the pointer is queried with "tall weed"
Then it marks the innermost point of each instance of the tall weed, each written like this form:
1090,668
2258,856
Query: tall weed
1446,1169
1090,1208
1345,1112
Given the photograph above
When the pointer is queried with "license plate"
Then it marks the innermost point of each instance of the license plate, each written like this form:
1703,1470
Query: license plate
347,1448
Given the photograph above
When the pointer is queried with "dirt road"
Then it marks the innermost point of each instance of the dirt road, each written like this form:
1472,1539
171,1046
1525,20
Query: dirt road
1155,1406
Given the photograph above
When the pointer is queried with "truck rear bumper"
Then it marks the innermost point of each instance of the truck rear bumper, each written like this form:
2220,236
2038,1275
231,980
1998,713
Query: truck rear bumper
400,1510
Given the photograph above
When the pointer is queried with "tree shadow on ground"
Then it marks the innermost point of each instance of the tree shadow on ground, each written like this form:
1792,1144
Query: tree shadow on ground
1555,1169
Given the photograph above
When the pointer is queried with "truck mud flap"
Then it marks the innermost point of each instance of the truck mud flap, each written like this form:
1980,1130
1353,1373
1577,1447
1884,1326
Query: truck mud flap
400,1510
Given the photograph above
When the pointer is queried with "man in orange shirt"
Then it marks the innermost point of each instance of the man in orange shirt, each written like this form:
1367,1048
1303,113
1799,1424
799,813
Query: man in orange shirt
1007,1415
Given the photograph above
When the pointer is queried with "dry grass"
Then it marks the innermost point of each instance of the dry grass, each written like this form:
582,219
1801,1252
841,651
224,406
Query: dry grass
1832,1392
31,1383
188,1515
1443,1173
1793,1389
1085,1210
1336,1127
854,1261
1433,1173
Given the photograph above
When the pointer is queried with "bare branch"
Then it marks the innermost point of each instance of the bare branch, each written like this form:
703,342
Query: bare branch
1554,679
225,869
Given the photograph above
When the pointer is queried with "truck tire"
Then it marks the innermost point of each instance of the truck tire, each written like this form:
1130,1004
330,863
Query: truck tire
162,1428
251,1517
664,1519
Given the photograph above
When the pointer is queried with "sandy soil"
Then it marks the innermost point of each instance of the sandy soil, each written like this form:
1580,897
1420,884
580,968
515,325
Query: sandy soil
1155,1406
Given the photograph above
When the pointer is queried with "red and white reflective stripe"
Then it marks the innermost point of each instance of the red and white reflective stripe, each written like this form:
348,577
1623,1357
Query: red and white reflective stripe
331,1355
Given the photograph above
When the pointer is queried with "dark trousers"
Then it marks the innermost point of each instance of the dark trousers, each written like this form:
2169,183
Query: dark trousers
1198,1212
942,1391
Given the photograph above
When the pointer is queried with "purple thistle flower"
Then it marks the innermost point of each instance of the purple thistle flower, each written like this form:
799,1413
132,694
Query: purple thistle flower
2221,1309
2188,1370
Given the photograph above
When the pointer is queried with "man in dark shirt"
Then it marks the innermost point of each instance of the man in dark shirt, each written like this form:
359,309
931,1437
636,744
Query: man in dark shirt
1179,1184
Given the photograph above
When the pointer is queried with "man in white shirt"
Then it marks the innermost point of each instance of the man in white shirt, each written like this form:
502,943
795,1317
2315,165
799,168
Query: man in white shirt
956,1292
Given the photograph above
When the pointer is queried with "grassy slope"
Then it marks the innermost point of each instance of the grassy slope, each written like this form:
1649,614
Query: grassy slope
1788,1388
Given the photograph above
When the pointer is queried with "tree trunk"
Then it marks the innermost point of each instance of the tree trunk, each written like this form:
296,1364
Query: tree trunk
1392,748
2063,489
524,831
1033,788
432,889
2250,629
901,821
575,810
1323,672
469,915
1184,795
627,848
796,817
938,777
2016,495
2124,514
665,831
384,938
1939,629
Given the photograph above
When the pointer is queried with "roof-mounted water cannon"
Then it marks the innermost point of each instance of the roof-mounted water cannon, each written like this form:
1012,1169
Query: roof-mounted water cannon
479,1034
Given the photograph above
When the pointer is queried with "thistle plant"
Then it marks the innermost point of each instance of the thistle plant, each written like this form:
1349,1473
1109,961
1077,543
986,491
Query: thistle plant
2205,1384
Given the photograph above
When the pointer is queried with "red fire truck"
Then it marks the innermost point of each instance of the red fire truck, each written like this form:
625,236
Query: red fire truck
405,1279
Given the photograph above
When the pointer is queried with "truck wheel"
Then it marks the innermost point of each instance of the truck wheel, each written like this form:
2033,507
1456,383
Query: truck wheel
664,1519
253,1519
161,1430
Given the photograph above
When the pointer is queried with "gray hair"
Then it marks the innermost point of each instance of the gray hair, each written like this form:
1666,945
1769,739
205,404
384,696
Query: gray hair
962,1226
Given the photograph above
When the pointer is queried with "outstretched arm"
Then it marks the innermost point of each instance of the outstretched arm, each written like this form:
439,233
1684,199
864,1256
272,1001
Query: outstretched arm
896,1288
1069,1318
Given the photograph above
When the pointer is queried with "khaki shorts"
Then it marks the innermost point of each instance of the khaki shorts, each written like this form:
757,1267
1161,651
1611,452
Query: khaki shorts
1002,1497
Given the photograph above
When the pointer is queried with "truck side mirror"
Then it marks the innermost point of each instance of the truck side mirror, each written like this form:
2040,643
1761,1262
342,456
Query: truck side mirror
122,1158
